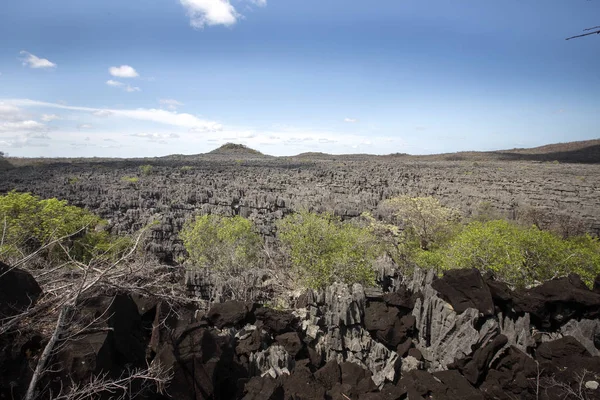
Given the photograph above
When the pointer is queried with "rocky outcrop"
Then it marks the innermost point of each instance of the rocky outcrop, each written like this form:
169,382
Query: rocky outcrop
339,343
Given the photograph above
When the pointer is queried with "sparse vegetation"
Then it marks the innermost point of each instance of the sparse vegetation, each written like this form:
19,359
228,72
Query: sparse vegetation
130,179
29,223
146,169
325,250
220,243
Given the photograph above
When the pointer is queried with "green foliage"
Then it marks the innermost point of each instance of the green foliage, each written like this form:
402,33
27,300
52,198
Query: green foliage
130,179
425,220
146,169
73,180
222,243
519,255
28,223
324,249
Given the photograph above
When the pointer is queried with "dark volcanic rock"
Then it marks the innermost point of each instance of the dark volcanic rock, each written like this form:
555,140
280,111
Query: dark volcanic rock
204,365
18,290
474,368
555,302
263,389
465,288
511,377
276,321
291,342
231,314
329,374
458,386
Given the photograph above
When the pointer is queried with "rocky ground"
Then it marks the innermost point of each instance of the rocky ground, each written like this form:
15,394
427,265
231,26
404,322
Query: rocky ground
266,188
462,336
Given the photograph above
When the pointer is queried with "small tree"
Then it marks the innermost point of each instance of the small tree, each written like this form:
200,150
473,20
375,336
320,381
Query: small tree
325,250
425,219
521,256
222,243
146,169
28,223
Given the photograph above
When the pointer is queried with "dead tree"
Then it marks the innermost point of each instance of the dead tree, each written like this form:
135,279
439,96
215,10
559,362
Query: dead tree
589,31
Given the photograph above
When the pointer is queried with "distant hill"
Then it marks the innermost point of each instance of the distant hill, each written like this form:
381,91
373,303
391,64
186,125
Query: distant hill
235,149
585,152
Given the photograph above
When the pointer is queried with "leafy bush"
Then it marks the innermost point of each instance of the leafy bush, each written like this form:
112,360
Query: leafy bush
222,243
520,255
425,220
324,249
130,179
146,169
28,223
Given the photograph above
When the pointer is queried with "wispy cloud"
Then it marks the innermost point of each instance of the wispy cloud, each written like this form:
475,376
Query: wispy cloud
32,61
350,120
127,88
124,71
165,117
50,117
260,3
171,104
112,83
102,113
22,126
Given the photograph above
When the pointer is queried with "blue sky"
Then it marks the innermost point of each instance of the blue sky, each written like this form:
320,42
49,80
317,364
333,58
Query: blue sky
130,78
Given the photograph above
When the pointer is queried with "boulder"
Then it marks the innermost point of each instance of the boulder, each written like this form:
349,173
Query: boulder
554,303
463,289
276,322
18,290
230,314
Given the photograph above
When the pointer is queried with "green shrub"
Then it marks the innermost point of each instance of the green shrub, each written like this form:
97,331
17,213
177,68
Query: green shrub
519,255
146,169
130,179
324,249
425,220
222,243
28,223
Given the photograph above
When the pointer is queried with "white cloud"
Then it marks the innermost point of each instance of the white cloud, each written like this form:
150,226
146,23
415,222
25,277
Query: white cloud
37,135
22,126
124,71
350,120
84,126
20,142
32,61
210,12
260,3
165,117
127,88
112,83
155,136
102,113
50,117
327,141
9,112
171,104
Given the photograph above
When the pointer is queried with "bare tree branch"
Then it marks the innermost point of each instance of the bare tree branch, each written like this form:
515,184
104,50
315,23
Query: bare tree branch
597,31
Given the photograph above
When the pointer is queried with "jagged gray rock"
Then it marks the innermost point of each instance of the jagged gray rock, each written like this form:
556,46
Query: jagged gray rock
517,331
584,331
445,335
273,361
344,306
